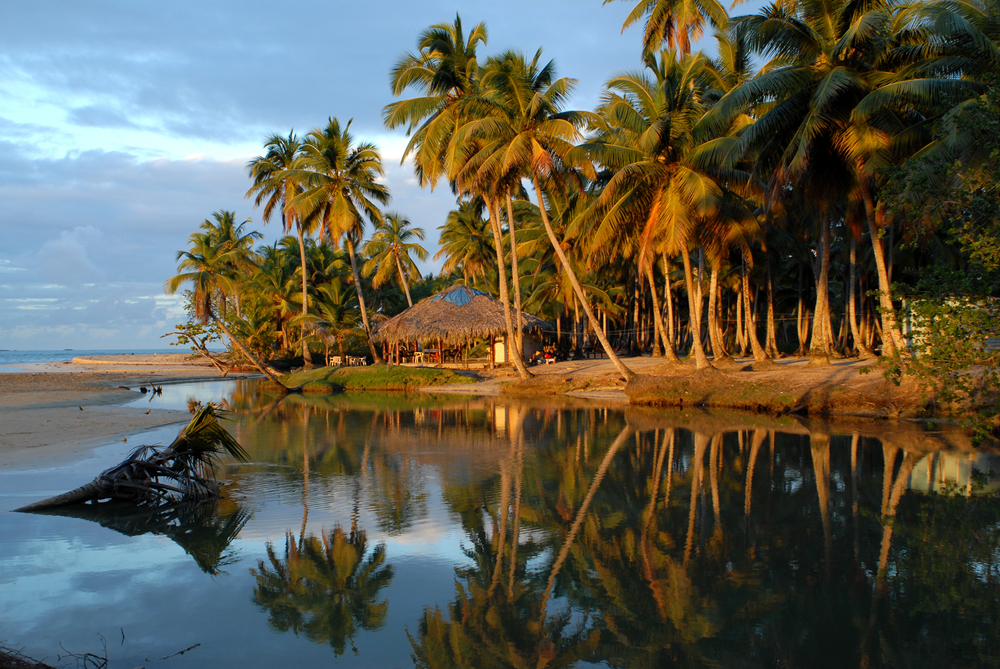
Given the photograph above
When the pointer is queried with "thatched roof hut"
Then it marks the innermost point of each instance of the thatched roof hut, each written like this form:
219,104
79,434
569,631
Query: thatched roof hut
453,316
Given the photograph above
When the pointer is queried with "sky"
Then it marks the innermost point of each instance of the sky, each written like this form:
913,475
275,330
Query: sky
124,125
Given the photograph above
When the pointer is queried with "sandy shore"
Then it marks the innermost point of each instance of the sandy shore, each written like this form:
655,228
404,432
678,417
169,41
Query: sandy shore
59,410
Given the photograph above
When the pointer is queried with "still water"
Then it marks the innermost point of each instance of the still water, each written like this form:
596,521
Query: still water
394,531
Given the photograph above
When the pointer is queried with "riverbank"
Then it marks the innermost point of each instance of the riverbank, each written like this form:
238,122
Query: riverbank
60,410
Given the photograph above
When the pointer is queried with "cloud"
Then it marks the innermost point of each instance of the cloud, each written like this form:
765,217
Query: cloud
65,260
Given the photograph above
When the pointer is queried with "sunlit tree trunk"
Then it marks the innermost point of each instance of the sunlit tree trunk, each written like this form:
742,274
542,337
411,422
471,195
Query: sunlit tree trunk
512,349
515,277
759,354
718,350
701,360
668,349
376,358
818,343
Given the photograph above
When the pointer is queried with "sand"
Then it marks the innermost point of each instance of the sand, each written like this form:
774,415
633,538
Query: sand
61,410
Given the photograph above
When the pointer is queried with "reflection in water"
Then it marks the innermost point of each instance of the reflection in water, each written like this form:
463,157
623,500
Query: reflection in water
324,587
203,530
568,533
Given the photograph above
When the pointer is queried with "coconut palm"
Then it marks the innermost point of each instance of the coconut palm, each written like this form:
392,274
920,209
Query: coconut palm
225,233
676,22
340,190
207,268
391,248
466,243
274,187
337,311
445,69
658,193
521,131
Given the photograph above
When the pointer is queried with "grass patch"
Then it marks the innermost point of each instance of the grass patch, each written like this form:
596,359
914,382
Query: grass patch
336,379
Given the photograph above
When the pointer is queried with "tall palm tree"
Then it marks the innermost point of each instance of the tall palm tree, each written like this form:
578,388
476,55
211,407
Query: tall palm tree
676,22
658,192
835,104
274,187
226,234
340,190
391,248
522,130
445,69
207,268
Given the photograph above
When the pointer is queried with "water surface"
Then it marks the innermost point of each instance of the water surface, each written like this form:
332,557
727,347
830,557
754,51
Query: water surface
384,531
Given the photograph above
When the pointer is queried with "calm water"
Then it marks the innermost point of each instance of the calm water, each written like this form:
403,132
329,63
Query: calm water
386,531
10,359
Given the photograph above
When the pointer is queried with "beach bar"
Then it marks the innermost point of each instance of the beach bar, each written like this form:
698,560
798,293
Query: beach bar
452,320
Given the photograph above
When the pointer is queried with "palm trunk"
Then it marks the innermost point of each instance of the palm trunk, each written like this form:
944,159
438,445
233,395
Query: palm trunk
718,350
245,351
668,349
771,346
402,280
818,343
892,340
859,342
759,354
626,373
306,360
700,359
669,299
515,277
512,349
376,358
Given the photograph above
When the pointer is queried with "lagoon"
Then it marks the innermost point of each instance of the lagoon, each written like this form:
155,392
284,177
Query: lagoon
391,530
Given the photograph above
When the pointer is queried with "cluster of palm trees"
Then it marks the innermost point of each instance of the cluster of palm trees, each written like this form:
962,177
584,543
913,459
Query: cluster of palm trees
729,179
753,183
274,297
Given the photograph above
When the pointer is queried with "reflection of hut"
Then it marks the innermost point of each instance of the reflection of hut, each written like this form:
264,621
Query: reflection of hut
454,318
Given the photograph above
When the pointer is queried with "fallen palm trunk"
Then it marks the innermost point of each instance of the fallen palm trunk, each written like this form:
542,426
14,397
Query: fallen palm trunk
183,472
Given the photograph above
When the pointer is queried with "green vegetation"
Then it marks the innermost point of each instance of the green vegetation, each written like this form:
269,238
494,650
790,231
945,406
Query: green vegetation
824,182
335,379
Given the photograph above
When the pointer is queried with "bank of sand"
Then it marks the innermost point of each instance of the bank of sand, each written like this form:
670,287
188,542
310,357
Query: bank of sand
57,411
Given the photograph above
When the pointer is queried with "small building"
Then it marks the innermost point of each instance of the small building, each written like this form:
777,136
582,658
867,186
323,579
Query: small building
451,320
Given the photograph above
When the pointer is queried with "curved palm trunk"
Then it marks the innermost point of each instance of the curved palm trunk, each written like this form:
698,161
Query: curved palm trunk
245,351
772,339
515,276
759,354
402,280
626,373
718,350
361,302
859,343
700,359
513,349
892,339
306,360
668,350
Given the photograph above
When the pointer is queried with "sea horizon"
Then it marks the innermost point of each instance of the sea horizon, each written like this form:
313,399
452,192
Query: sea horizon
14,357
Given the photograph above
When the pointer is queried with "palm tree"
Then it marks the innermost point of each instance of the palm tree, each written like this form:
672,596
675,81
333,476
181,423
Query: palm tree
657,193
207,268
337,310
445,69
466,243
390,248
836,103
274,186
676,22
226,234
522,131
340,181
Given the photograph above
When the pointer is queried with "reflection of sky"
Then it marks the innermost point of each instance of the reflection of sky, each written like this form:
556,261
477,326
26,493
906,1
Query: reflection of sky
67,580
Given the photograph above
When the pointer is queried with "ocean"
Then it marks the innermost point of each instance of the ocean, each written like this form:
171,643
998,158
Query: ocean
9,360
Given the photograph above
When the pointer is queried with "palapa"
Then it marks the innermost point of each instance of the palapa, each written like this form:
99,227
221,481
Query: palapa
452,316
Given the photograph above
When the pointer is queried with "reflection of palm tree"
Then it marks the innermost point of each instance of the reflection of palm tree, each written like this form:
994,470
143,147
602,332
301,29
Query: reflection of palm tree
324,587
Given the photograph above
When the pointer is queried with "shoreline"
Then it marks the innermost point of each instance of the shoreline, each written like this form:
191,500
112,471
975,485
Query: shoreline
62,410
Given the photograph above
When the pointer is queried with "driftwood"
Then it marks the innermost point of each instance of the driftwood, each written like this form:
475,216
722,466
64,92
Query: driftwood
203,349
181,473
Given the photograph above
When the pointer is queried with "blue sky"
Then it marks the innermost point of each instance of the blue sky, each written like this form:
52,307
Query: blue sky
124,125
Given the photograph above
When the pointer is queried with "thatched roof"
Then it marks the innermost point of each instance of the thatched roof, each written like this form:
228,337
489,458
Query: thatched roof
453,316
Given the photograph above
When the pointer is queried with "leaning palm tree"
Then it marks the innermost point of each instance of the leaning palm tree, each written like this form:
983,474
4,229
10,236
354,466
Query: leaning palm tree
340,185
206,268
274,187
225,233
521,130
390,250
